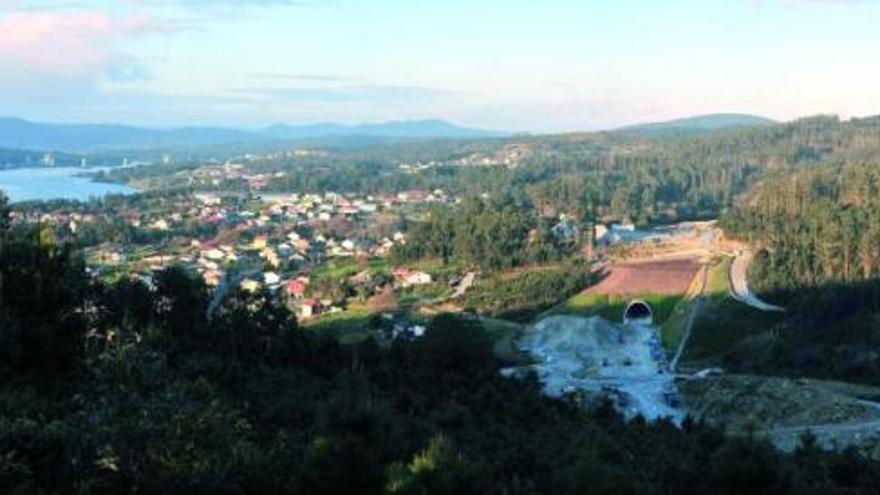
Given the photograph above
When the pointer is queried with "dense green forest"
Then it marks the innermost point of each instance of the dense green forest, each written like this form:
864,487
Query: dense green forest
130,388
606,176
110,222
816,226
817,232
484,234
522,296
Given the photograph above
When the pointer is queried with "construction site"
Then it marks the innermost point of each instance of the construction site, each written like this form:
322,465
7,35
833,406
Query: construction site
664,362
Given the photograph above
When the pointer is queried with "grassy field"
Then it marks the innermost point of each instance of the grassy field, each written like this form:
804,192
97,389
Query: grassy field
436,267
353,320
422,294
351,326
673,328
717,286
504,334
336,269
724,322
718,281
379,265
611,307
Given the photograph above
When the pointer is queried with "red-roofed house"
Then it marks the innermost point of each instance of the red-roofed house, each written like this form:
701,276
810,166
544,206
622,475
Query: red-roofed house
296,288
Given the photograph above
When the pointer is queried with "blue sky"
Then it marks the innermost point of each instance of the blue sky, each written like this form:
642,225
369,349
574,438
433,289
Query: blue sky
525,65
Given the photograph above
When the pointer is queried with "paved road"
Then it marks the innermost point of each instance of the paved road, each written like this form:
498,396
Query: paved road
740,286
466,283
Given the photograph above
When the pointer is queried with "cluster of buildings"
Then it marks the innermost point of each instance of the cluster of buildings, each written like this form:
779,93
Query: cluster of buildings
272,242
291,242
510,156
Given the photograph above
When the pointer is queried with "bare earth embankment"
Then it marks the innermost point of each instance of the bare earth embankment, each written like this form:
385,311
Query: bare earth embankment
664,277
784,409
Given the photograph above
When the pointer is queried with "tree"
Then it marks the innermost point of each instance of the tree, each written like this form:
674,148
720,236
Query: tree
254,327
181,302
4,214
4,233
438,469
44,296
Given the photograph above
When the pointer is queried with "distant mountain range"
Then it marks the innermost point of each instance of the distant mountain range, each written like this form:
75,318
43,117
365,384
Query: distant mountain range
22,134
696,125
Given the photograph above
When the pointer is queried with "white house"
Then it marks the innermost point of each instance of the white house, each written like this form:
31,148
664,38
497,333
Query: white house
271,278
249,285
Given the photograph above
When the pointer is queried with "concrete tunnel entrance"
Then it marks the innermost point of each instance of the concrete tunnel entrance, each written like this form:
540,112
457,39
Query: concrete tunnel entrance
638,310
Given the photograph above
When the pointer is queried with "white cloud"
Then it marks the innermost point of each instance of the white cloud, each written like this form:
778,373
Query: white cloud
57,55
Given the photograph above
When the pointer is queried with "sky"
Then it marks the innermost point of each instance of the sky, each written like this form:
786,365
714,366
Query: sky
515,65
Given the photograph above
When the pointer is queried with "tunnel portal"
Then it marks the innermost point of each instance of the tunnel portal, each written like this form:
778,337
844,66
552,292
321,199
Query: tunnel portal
638,310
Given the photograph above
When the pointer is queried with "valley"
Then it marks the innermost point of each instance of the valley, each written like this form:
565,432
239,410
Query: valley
489,247
617,285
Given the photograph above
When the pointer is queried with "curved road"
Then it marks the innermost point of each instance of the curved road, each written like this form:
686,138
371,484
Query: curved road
739,284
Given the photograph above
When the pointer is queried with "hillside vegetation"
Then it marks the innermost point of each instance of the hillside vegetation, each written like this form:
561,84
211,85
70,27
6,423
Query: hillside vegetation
128,388
818,240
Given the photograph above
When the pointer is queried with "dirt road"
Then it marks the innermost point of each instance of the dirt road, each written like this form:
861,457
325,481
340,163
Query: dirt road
689,325
740,286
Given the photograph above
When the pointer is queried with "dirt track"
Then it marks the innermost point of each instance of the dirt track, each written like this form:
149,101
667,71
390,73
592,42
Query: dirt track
692,315
783,409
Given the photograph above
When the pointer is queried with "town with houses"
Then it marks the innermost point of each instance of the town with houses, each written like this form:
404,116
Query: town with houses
320,253
324,255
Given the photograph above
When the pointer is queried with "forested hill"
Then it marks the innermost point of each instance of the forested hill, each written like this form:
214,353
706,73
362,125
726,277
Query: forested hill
817,235
818,226
19,133
601,175
695,175
12,158
694,125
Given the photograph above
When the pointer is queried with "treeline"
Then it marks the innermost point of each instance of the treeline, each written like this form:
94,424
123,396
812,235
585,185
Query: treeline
816,226
607,176
601,177
817,236
110,218
521,297
16,158
133,388
484,234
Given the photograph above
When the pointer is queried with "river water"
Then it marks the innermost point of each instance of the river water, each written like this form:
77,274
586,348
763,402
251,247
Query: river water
43,183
